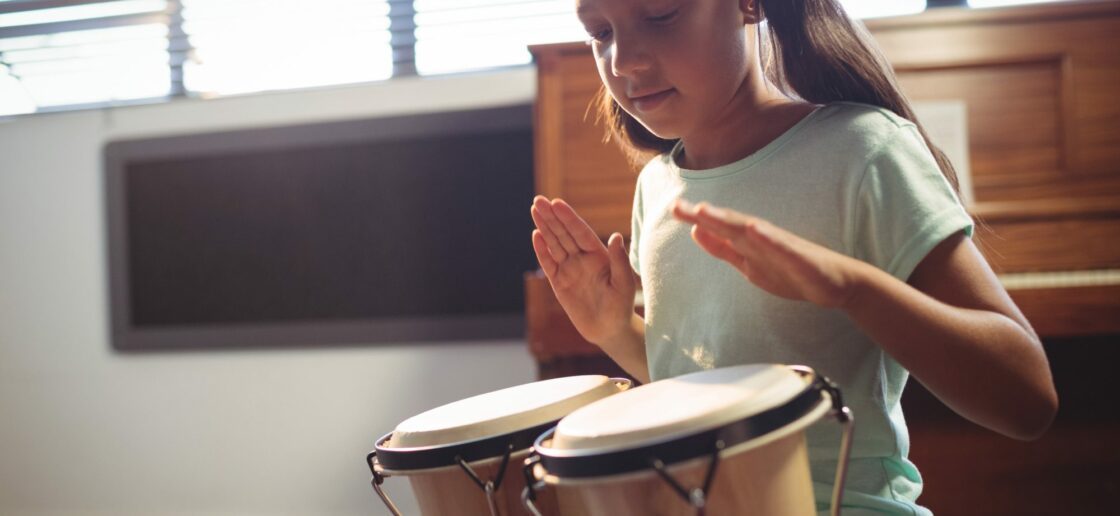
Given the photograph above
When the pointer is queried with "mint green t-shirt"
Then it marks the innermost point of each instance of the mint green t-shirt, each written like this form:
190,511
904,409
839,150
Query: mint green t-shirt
851,177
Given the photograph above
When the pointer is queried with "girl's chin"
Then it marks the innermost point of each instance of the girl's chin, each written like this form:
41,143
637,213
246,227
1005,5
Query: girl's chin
657,124
661,130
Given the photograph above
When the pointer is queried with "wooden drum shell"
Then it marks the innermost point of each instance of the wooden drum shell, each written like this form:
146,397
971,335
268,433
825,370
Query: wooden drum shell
767,480
451,492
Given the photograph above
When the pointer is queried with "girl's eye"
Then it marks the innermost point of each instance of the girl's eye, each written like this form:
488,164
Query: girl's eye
665,18
598,35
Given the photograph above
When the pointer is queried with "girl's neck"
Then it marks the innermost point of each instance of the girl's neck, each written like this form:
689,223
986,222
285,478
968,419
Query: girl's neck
757,115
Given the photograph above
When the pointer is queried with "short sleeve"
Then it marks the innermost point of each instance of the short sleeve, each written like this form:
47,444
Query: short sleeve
904,206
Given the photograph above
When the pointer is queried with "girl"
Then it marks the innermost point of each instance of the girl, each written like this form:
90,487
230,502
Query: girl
801,218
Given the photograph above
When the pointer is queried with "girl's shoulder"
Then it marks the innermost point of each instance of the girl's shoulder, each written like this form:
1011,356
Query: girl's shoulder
858,127
861,117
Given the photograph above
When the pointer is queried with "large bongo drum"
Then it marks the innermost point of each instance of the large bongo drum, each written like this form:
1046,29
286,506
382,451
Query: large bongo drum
722,441
458,456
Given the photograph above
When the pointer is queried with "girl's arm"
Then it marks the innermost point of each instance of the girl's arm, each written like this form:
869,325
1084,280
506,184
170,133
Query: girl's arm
628,349
953,326
593,282
957,330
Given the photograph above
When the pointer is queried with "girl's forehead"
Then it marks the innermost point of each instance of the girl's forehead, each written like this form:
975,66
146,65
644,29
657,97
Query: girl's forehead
586,6
594,6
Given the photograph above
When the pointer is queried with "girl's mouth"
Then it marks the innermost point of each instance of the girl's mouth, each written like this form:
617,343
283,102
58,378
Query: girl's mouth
651,101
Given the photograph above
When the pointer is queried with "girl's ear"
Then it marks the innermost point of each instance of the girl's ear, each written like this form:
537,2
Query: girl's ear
752,11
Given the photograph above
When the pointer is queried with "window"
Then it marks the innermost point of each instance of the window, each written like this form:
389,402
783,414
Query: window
57,54
460,35
878,8
1001,3
66,54
256,45
63,54
14,97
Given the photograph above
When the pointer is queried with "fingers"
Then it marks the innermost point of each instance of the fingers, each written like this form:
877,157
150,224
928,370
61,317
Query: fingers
565,232
552,242
726,234
619,259
715,245
559,239
726,223
739,228
579,230
544,256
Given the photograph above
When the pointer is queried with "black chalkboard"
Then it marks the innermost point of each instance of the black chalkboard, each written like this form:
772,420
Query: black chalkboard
406,229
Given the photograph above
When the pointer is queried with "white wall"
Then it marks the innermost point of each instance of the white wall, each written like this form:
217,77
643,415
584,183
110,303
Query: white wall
84,430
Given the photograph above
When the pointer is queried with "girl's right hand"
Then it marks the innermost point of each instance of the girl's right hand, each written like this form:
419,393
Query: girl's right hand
594,283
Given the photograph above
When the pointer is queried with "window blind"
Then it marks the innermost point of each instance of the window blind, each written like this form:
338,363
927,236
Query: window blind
71,53
242,46
460,35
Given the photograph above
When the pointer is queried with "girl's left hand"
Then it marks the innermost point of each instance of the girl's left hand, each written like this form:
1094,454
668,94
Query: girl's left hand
772,258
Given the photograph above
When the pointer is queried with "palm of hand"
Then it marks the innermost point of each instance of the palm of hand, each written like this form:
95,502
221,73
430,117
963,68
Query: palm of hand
583,285
580,269
594,283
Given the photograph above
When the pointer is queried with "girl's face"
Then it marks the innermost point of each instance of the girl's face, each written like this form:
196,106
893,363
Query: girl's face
674,65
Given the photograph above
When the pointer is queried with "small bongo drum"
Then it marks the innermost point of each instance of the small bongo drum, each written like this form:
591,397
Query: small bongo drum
722,441
456,456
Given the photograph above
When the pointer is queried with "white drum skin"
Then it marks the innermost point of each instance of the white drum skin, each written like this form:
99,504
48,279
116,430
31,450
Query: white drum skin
767,475
449,490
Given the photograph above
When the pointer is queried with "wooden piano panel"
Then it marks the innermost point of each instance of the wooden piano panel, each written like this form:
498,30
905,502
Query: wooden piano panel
1040,85
1052,245
1014,139
572,160
1071,311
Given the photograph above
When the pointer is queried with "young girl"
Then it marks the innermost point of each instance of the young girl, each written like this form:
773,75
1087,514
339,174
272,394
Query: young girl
800,218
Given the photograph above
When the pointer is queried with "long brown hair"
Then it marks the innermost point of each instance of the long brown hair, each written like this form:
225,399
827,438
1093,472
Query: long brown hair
815,52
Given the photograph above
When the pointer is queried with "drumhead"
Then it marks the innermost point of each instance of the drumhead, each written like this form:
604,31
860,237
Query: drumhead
677,406
732,409
488,426
501,411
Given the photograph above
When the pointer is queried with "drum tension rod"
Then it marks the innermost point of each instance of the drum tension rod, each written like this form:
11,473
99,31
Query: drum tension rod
488,486
843,416
497,482
698,497
531,482
529,494
501,470
378,479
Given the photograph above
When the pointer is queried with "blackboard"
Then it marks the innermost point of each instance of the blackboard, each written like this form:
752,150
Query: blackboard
390,230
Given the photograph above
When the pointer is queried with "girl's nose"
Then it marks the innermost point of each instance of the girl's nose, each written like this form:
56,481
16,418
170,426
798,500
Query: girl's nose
629,56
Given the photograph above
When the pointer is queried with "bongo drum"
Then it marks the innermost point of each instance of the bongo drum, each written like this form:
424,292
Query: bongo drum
456,455
725,441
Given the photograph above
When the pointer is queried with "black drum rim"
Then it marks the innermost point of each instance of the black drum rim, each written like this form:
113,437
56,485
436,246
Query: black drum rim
396,459
678,448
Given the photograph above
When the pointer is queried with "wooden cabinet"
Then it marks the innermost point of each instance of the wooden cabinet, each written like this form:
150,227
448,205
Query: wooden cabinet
572,159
